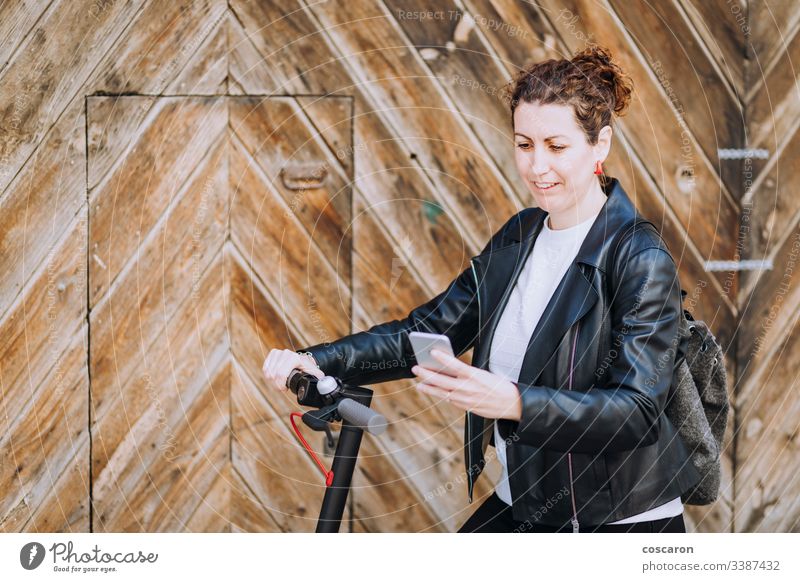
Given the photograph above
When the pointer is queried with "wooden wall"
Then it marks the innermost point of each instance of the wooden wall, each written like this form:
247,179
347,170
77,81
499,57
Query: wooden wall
185,185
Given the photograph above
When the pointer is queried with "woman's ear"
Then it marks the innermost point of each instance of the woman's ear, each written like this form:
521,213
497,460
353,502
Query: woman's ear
603,145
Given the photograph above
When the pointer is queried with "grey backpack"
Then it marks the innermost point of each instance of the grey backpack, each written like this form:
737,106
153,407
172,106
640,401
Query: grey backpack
698,402
698,407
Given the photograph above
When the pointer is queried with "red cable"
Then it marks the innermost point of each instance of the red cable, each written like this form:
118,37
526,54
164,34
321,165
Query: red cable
328,474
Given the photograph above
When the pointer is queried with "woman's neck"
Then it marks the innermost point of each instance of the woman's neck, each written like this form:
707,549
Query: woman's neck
591,206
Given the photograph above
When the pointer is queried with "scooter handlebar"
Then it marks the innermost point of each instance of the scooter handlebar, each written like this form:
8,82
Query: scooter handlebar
362,416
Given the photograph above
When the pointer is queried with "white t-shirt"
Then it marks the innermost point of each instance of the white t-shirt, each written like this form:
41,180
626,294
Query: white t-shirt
552,254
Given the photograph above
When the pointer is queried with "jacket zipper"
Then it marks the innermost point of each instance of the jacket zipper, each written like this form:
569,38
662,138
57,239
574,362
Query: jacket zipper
470,483
574,520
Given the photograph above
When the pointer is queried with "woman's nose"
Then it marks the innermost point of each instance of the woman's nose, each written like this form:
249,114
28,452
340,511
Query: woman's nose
539,166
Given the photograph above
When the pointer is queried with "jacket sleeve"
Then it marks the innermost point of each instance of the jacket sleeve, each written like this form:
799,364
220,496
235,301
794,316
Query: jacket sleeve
383,352
622,411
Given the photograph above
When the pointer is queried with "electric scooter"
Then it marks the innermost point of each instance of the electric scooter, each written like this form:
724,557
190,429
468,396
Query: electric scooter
333,402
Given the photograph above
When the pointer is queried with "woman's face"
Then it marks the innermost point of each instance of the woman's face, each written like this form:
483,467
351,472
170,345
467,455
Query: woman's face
555,159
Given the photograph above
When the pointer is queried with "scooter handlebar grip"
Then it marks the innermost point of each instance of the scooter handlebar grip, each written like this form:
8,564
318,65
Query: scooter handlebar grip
362,416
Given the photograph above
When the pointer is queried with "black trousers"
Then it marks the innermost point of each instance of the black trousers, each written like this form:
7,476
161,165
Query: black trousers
494,516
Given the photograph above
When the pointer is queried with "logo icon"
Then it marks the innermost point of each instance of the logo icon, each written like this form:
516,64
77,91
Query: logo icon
31,555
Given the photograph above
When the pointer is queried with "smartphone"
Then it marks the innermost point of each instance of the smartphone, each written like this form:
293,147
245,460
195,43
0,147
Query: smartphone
423,343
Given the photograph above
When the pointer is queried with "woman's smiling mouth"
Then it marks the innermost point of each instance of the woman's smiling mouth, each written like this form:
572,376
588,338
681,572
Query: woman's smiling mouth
545,185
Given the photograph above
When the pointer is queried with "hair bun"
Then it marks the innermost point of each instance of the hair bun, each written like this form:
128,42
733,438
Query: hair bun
598,65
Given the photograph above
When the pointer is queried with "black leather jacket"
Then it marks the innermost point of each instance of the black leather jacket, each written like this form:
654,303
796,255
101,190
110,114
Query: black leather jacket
593,444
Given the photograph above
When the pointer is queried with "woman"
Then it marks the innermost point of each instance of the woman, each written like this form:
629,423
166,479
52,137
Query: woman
573,311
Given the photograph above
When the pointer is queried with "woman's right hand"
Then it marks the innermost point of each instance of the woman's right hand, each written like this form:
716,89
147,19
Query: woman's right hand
280,363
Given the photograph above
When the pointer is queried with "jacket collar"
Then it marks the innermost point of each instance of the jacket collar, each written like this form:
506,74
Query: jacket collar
497,271
617,211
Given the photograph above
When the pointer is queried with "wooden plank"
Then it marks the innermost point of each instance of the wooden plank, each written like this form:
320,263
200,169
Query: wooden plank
711,110
186,336
464,68
66,509
772,23
44,439
113,130
455,162
146,427
187,238
39,328
162,489
771,296
767,444
654,132
251,73
504,21
41,204
282,252
206,73
213,514
203,438
257,321
722,24
163,40
766,479
301,170
384,501
130,201
17,19
773,110
385,290
247,514
159,28
332,120
43,79
125,400
416,214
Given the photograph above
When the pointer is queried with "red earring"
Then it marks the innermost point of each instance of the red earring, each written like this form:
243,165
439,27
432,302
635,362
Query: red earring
598,168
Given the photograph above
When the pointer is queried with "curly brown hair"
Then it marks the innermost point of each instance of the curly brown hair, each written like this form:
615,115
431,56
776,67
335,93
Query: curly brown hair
591,82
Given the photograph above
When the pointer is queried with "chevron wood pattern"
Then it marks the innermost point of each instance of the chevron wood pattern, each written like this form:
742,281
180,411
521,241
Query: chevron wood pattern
185,185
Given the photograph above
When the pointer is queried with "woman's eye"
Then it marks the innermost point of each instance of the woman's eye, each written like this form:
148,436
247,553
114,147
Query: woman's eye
523,146
558,148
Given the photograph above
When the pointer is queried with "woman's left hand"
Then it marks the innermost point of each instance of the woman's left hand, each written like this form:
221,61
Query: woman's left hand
469,388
